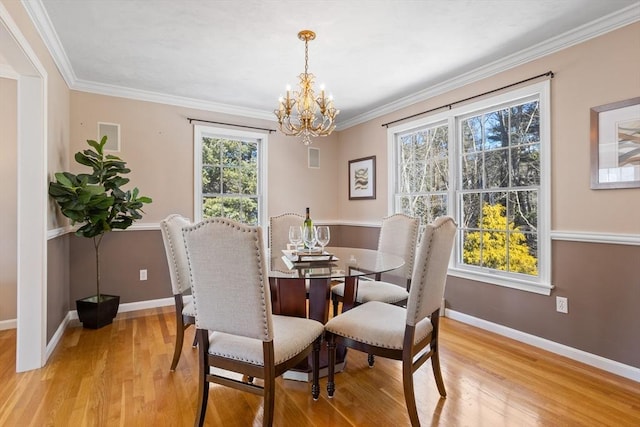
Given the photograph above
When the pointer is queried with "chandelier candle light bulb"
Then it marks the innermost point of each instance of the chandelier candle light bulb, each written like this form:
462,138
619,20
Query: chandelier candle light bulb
315,115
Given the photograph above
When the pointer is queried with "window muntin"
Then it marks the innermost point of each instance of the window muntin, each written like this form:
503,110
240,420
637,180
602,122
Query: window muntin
228,178
499,181
423,172
497,186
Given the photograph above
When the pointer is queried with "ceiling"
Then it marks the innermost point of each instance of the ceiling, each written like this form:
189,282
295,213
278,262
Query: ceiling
372,55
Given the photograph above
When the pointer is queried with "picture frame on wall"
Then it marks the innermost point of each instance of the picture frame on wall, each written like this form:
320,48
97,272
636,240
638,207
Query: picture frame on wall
362,178
615,145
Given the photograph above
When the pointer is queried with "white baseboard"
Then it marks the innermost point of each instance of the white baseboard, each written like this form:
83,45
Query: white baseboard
55,339
123,308
594,360
8,324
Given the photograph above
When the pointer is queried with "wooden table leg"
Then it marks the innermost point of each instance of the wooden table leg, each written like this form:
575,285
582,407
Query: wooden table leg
289,299
319,297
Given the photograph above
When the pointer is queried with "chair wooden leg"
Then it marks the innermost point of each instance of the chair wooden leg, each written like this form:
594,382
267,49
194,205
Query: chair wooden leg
195,341
435,357
331,347
203,384
409,395
315,369
371,360
334,300
269,403
437,374
177,351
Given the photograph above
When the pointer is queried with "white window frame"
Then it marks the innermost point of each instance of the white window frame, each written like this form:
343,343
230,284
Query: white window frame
200,131
540,284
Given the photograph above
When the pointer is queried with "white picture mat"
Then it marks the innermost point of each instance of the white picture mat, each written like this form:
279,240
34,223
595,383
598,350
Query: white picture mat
608,149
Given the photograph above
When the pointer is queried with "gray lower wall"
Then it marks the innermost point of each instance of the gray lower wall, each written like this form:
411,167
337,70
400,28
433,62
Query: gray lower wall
57,283
122,255
599,280
602,284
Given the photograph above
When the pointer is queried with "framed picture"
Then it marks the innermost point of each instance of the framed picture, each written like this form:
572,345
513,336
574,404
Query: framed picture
362,178
615,145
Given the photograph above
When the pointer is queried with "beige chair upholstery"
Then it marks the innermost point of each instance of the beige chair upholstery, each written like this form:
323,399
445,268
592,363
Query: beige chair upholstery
408,334
171,228
398,236
235,327
279,229
279,236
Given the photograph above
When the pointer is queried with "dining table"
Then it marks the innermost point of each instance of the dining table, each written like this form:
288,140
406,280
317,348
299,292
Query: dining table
301,286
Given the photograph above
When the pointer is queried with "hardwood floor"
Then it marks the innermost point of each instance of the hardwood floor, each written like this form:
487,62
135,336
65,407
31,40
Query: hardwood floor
119,376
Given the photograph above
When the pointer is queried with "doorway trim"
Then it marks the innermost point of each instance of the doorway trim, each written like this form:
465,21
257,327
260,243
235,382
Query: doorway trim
32,194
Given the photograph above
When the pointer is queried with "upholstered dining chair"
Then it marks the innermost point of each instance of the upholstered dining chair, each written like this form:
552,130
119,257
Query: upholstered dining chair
279,229
235,327
279,237
408,334
171,228
398,236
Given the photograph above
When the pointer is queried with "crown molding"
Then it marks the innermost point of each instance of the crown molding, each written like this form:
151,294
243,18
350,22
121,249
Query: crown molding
179,101
573,37
608,23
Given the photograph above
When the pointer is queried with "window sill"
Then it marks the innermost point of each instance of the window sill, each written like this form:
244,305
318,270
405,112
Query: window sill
507,282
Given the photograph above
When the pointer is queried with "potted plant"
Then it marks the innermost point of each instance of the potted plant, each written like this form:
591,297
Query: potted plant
98,203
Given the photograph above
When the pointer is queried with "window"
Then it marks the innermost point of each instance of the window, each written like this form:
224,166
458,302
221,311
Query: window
487,165
229,174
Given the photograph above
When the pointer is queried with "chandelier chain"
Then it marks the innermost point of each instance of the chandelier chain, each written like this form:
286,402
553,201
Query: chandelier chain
306,57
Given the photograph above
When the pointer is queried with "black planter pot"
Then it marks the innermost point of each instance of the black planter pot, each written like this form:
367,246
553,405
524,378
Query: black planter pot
95,314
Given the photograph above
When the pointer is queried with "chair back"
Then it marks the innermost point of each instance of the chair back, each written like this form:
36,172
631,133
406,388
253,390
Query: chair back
279,230
229,278
430,273
171,228
399,236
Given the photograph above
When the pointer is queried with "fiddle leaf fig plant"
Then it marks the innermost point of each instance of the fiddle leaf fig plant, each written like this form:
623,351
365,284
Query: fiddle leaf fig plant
96,200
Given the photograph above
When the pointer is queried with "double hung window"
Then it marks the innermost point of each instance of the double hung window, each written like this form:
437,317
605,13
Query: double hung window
487,165
228,174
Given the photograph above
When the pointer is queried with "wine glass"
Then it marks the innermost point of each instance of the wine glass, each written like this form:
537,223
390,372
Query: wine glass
295,235
323,236
309,237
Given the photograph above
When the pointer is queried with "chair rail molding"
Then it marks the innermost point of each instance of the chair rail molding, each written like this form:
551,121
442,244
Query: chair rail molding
591,237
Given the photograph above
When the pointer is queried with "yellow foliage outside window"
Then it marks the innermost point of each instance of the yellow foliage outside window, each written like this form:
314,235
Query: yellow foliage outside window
489,247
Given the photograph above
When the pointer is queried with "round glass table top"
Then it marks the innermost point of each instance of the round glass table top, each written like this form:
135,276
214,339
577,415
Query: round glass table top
345,262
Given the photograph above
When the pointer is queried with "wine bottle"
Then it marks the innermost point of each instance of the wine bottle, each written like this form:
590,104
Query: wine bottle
307,224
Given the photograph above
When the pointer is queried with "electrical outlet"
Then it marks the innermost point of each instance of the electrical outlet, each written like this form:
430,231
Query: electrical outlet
562,305
143,274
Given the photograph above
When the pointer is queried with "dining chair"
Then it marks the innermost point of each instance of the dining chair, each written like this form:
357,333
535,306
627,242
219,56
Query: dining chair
279,229
398,236
408,334
235,327
279,238
171,228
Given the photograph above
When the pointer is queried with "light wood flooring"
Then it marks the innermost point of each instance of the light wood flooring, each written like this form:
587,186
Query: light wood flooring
119,376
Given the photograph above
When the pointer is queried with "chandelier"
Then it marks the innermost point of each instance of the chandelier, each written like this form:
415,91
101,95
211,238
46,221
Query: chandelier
313,115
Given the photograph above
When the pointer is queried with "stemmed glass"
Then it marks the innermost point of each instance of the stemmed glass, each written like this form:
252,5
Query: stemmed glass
323,236
309,237
295,235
